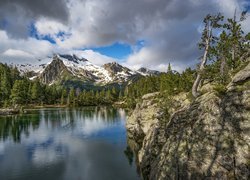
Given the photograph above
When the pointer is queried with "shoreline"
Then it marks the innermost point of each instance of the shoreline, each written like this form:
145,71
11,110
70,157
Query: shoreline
9,111
24,109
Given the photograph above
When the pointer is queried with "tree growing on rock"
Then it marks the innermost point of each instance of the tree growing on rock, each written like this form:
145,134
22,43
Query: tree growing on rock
211,22
238,42
229,51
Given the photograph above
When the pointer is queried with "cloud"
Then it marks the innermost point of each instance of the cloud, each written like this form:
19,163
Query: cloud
19,53
17,15
170,29
23,50
175,40
93,57
47,26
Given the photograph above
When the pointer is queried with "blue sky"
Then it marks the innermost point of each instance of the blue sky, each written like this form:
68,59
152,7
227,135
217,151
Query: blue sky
120,51
34,34
117,50
139,33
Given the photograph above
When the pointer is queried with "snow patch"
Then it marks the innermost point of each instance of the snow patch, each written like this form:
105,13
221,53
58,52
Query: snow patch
79,67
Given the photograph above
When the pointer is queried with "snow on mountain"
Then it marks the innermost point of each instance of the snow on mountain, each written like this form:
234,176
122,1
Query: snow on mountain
147,72
49,70
79,67
37,66
119,73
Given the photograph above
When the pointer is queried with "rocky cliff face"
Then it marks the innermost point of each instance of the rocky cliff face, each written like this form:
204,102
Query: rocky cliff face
120,73
65,66
208,138
147,72
53,71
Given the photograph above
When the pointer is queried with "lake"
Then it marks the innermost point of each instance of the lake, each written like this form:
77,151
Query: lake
67,144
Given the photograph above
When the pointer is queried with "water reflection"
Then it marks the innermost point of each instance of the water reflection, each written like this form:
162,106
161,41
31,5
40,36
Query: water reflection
14,126
85,143
130,155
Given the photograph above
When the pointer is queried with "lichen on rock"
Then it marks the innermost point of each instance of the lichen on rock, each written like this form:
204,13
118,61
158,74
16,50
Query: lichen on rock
208,138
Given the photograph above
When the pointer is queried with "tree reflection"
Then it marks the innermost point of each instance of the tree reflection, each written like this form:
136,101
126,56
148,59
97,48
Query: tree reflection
14,126
129,154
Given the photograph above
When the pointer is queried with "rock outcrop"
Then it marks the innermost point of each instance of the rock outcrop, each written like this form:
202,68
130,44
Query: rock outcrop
119,73
53,71
148,72
208,138
243,75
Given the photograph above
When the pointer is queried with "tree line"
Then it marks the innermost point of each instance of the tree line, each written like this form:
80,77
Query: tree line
16,89
225,48
168,84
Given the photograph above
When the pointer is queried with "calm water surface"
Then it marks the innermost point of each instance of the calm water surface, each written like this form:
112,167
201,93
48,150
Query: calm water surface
69,144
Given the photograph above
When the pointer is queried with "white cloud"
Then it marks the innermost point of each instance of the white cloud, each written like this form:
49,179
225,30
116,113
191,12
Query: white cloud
175,39
19,53
94,57
23,50
228,7
50,27
170,28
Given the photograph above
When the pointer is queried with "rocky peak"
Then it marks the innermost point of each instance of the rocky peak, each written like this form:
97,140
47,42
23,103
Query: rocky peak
73,58
114,67
119,73
53,71
80,68
145,71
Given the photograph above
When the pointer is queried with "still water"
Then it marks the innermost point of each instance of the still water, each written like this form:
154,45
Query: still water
67,144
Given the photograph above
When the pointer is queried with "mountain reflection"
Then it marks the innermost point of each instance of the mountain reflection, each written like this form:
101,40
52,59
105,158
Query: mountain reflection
85,121
79,143
14,126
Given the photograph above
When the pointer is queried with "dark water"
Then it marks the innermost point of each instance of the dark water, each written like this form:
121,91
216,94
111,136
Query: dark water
68,144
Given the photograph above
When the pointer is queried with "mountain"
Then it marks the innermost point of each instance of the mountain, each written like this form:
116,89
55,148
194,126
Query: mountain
119,73
53,71
64,68
147,72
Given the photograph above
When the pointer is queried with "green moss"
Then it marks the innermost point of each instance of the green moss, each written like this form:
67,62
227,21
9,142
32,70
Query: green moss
190,96
243,87
241,66
220,89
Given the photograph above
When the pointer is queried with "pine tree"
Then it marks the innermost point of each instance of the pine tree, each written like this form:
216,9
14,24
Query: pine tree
222,55
63,96
97,98
120,95
108,96
19,92
114,93
15,75
36,92
208,38
169,68
236,39
92,97
102,96
5,84
71,97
